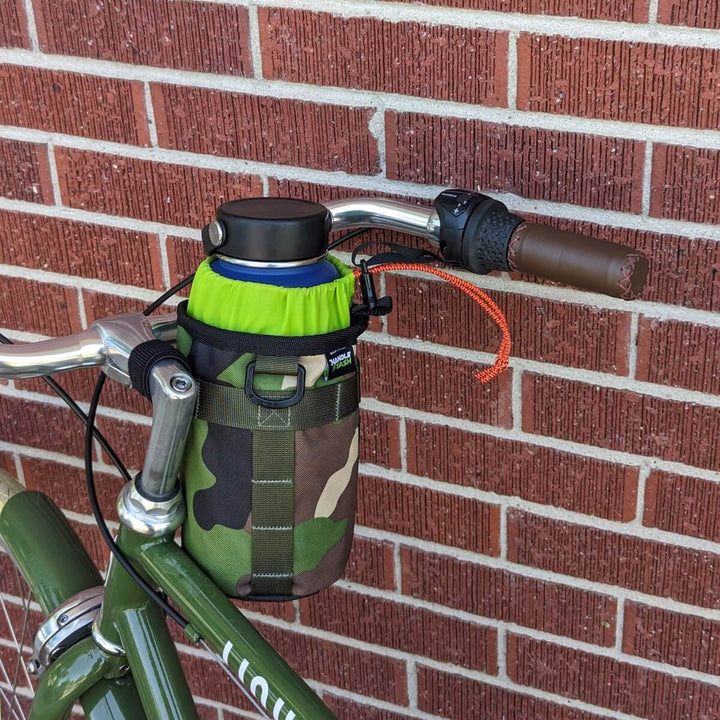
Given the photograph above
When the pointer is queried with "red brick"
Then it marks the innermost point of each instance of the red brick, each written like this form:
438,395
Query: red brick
65,484
434,383
97,107
503,595
685,184
38,307
205,37
648,566
683,271
207,679
282,610
541,330
437,517
11,583
633,11
682,504
448,63
129,439
379,439
670,637
208,712
13,24
609,683
125,257
547,164
371,562
696,13
158,192
93,542
32,423
267,129
403,627
344,708
80,385
658,84
508,467
679,354
227,715
184,256
317,192
621,420
7,463
459,698
25,172
100,305
354,670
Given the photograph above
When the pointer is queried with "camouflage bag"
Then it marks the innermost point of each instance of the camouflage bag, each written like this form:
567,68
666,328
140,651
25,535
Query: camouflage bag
270,465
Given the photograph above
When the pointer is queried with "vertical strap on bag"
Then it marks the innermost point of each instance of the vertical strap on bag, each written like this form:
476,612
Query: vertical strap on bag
272,497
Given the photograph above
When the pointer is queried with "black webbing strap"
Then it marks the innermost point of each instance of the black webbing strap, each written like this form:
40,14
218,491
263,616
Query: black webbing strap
225,405
397,254
143,359
239,342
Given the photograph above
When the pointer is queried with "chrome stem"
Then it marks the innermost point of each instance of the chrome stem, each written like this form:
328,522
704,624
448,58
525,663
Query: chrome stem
173,393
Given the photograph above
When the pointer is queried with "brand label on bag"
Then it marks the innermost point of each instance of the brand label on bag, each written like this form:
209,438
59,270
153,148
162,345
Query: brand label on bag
339,363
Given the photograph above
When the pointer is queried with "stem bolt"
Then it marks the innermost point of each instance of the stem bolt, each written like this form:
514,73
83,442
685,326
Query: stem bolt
180,383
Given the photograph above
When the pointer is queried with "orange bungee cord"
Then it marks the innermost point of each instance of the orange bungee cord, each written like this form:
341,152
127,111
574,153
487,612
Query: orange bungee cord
479,296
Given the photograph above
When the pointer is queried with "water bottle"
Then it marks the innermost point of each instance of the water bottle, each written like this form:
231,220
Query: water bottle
264,255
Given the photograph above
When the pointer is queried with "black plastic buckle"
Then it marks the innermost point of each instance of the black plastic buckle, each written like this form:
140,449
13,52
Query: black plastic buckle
270,402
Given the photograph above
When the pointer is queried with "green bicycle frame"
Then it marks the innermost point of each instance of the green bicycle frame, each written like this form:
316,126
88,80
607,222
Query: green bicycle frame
56,565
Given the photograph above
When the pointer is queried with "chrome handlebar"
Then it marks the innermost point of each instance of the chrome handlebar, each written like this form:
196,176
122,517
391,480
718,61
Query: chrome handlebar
386,214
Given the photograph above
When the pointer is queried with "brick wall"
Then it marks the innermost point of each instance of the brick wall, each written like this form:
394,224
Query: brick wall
546,548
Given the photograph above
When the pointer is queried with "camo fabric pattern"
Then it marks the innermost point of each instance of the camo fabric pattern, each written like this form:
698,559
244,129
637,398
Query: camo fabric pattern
217,475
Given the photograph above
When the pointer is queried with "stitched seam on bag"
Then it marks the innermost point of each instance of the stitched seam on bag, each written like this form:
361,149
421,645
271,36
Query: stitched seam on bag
272,527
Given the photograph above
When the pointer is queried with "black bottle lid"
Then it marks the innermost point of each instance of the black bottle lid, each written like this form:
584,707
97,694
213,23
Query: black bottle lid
269,230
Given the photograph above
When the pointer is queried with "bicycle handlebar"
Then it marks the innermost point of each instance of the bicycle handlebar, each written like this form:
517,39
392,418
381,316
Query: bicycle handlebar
482,235
470,229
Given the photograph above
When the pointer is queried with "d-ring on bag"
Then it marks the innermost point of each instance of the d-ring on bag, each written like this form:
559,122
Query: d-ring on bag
270,465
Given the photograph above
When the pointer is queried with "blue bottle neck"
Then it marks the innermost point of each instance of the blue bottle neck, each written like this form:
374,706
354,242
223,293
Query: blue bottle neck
310,275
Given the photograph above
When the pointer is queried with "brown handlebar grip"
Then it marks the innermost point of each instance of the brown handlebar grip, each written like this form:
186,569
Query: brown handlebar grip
587,263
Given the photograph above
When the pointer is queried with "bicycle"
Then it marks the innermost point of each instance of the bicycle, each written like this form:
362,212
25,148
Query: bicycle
106,643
